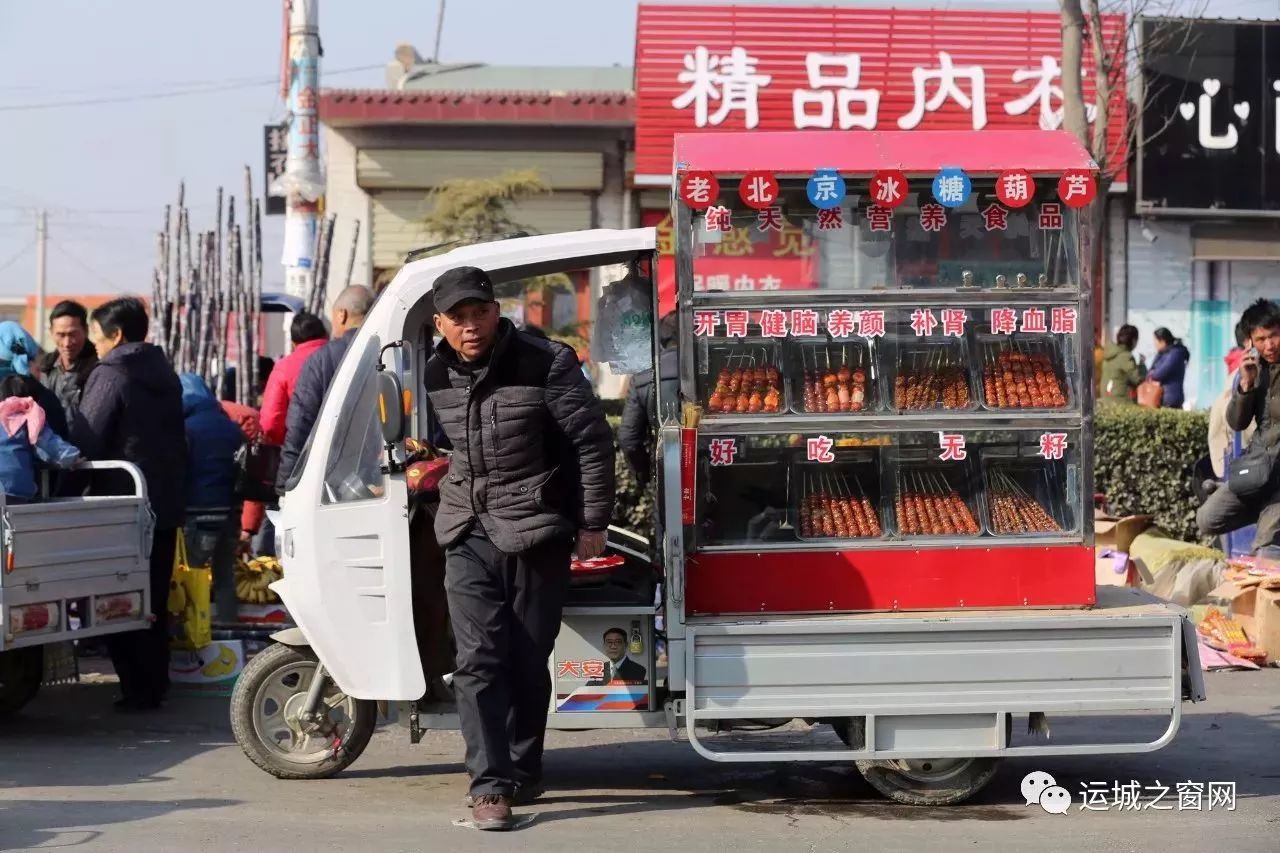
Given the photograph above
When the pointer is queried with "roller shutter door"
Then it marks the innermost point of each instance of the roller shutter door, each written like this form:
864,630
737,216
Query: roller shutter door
396,224
417,168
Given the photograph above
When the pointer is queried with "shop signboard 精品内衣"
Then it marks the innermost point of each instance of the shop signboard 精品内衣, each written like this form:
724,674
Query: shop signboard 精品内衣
772,67
1210,127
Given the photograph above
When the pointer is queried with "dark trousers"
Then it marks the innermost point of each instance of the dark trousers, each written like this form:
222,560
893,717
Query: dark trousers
141,658
1224,512
505,611
212,539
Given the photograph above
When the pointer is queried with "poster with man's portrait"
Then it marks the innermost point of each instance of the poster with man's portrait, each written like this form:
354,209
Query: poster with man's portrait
603,663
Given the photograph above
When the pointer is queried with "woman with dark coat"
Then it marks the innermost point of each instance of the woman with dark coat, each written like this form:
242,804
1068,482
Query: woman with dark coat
1169,368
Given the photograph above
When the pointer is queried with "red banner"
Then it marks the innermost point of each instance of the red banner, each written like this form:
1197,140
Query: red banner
786,260
711,68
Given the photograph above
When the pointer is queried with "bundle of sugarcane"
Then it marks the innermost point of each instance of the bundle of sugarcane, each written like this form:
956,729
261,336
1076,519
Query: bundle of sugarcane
207,293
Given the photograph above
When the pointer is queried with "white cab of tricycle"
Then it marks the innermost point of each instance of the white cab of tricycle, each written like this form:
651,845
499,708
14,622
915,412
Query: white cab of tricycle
343,532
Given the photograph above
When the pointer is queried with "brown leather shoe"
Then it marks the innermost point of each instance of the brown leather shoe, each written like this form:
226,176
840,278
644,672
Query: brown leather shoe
491,812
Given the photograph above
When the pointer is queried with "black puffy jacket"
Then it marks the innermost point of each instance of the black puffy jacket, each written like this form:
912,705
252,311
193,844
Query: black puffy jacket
532,453
639,427
132,410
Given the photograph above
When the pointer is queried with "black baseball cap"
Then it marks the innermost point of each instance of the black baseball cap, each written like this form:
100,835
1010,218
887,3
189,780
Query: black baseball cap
459,284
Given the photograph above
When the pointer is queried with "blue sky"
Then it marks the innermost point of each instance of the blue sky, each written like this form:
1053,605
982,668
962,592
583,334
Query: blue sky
105,171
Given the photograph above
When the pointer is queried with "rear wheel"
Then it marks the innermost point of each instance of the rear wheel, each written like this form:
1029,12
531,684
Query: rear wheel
266,717
929,781
919,781
21,671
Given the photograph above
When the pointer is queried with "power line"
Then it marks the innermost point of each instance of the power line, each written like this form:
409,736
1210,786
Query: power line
168,93
62,250
13,260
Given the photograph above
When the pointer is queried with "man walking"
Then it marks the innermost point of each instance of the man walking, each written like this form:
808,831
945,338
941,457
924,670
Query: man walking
349,311
132,410
532,468
65,370
1255,497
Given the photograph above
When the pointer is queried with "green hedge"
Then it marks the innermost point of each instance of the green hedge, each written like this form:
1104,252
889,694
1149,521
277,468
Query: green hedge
1143,460
1142,463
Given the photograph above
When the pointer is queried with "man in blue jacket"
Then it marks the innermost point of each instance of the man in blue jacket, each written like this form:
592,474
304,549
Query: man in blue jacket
213,514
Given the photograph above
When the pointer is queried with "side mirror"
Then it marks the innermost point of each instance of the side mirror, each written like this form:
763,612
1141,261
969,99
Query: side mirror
391,405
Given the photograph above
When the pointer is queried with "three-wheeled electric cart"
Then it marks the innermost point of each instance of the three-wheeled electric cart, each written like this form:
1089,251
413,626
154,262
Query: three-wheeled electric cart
874,486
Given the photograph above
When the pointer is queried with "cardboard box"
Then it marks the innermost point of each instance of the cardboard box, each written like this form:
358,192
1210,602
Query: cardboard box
1257,609
1255,604
212,670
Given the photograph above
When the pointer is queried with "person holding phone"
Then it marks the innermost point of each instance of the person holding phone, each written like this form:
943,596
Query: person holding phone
1253,486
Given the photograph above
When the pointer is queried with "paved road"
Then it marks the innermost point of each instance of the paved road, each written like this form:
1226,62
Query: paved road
74,775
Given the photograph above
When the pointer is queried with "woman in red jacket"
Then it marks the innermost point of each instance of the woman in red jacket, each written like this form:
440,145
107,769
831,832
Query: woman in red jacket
308,335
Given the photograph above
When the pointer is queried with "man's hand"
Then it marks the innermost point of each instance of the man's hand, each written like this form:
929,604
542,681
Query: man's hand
1249,370
590,544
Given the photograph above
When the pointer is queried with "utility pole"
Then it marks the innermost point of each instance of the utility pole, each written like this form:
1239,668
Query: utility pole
42,246
303,180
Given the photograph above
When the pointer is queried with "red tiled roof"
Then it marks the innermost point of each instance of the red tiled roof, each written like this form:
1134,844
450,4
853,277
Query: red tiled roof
389,106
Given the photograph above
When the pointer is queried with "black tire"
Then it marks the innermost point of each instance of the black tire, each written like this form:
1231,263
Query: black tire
935,782
21,671
249,698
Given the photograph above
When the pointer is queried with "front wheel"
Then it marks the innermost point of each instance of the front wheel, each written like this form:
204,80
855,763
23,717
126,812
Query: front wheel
929,781
266,717
21,671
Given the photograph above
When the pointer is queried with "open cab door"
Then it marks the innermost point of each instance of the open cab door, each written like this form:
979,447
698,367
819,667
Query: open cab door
344,533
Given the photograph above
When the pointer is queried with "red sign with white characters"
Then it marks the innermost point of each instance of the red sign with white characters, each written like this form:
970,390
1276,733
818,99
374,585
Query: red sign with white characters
699,190
1077,188
889,189
1015,188
840,67
758,190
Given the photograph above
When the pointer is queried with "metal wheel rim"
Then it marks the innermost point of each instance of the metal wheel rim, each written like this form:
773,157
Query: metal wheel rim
277,703
930,770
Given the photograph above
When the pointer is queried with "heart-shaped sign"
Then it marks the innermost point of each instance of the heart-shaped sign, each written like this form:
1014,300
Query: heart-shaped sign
1188,110
1242,110
1211,87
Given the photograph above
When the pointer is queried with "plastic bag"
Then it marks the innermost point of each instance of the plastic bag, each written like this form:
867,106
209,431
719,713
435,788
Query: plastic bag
623,334
190,607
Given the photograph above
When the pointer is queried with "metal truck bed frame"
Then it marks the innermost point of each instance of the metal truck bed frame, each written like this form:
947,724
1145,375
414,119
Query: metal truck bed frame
82,549
942,684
